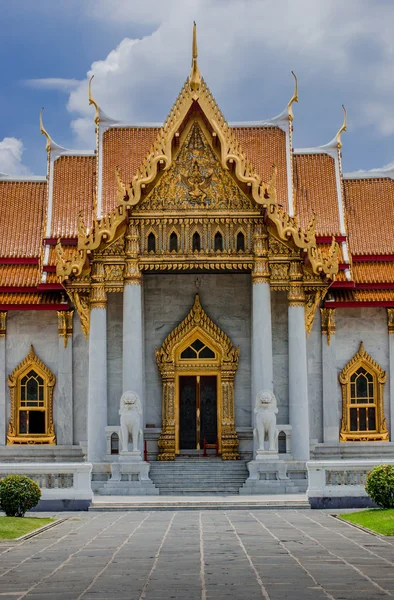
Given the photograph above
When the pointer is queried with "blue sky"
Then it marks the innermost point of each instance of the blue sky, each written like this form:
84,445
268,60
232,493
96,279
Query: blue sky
139,51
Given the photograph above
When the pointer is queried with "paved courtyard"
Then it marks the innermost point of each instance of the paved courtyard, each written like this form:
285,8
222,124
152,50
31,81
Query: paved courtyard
193,555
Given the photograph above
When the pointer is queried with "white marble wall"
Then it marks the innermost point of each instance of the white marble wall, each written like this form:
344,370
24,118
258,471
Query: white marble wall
280,347
370,326
114,355
227,300
315,379
80,381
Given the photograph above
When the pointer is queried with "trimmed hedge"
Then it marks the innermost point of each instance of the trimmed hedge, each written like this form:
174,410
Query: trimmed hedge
380,485
18,493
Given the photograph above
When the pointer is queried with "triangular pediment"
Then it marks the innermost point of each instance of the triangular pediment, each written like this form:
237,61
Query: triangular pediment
196,180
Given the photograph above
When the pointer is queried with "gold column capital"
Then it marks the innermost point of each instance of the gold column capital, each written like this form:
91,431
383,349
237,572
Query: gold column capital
3,323
261,272
390,320
65,324
296,295
328,322
98,295
132,273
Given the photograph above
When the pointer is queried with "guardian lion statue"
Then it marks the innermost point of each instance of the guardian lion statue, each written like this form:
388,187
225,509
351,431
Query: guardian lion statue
266,411
130,420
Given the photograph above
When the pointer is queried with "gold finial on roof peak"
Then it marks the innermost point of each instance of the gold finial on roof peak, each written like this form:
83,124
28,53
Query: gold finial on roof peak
342,129
44,132
294,97
93,101
195,77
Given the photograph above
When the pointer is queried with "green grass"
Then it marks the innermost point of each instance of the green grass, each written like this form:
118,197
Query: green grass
378,520
14,527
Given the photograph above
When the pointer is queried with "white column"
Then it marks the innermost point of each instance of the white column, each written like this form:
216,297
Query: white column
63,405
262,366
390,319
97,380
298,376
331,395
3,379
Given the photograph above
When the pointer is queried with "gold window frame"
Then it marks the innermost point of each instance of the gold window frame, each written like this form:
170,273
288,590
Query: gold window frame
31,362
363,359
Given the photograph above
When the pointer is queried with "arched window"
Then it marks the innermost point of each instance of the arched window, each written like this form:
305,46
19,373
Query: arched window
114,443
362,382
173,242
198,350
196,242
151,242
218,241
31,386
240,242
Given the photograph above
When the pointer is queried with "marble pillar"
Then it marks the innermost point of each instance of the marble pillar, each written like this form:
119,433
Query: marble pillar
331,393
3,379
97,377
298,375
262,364
390,322
63,405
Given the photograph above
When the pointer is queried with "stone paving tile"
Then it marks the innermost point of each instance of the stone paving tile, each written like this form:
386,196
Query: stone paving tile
245,555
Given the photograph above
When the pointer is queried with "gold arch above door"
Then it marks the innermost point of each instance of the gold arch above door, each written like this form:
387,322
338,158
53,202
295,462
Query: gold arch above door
222,361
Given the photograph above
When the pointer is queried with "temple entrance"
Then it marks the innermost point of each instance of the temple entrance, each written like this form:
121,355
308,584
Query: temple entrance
197,362
197,411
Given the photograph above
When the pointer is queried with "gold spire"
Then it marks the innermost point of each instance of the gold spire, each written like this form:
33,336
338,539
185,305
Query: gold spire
44,132
342,129
92,101
195,77
294,98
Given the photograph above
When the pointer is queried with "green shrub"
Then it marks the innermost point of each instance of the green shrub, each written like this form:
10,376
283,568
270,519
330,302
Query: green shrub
18,493
380,485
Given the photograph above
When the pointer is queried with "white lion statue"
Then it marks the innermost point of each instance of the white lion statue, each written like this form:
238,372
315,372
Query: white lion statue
130,420
266,411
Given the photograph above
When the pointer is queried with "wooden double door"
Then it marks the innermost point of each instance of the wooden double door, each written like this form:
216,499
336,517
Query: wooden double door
197,411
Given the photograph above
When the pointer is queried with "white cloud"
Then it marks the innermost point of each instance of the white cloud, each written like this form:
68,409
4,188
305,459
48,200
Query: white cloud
53,83
11,150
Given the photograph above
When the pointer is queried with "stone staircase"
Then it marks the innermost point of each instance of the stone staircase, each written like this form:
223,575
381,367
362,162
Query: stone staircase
198,477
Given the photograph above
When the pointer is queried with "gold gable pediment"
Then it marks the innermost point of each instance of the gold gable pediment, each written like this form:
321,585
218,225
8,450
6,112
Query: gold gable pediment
196,180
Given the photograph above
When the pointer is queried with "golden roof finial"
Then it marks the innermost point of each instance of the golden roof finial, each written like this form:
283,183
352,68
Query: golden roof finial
44,132
294,98
342,129
195,77
93,101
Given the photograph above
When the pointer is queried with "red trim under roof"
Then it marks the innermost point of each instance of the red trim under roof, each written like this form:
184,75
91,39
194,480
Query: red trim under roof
373,258
63,241
327,239
18,260
363,303
34,306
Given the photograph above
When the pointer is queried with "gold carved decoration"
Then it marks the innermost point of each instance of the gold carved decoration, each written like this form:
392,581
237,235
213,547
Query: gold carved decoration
196,180
311,305
81,303
328,323
198,324
31,363
379,433
65,324
390,320
3,323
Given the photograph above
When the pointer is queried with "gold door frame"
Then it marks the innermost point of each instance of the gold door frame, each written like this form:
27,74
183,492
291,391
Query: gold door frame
197,324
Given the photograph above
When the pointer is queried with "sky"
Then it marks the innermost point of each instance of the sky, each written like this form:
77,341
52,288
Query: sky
342,52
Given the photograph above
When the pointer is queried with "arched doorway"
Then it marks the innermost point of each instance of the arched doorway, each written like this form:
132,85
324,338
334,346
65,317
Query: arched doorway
197,362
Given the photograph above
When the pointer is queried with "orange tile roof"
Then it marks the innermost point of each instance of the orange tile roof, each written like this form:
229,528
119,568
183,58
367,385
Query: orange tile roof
20,275
73,189
22,210
31,298
373,272
363,296
315,190
125,148
264,147
370,215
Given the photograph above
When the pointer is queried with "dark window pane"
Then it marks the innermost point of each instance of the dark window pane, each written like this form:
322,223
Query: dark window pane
189,353
361,386
173,242
352,392
23,421
371,419
197,345
240,241
196,242
369,376
36,421
114,443
370,392
218,241
363,419
32,389
151,242
353,419
206,353
282,442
